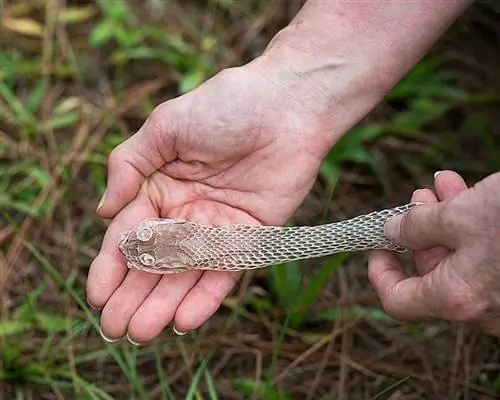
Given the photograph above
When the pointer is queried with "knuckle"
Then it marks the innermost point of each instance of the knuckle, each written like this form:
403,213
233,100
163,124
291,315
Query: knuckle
157,118
390,309
447,217
229,73
116,158
406,226
163,123
390,303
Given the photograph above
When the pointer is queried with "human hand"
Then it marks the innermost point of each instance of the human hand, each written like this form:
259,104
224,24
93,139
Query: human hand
245,147
456,238
235,150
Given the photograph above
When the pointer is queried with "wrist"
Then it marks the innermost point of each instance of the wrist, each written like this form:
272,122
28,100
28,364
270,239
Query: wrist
339,59
334,92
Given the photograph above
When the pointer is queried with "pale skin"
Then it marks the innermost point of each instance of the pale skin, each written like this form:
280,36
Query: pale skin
245,147
455,236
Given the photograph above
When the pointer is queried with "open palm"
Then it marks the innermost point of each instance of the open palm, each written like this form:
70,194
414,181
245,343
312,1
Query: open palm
231,151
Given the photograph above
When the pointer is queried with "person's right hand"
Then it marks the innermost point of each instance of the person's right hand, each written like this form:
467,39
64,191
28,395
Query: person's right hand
456,236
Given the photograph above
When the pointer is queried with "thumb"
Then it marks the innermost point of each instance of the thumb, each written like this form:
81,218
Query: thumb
137,158
422,227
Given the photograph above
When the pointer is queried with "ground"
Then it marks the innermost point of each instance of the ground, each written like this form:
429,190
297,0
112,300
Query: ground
67,101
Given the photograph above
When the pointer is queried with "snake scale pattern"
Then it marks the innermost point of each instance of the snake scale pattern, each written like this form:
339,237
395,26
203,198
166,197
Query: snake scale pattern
164,246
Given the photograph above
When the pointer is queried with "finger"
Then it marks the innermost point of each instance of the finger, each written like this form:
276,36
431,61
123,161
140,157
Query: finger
108,269
125,301
408,299
158,309
204,299
426,260
421,228
137,158
424,196
448,184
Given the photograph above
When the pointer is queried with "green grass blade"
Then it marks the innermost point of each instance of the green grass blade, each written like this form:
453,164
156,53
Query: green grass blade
36,96
165,386
211,386
316,284
15,105
9,328
193,387
286,281
274,358
131,356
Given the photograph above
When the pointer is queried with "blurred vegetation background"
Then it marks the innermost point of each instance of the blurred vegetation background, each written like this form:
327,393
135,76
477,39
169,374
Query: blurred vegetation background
78,77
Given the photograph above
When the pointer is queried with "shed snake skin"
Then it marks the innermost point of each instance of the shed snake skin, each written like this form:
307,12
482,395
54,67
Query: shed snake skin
165,246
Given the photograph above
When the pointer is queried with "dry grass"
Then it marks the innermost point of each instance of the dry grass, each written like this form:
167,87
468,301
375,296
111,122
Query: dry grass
64,104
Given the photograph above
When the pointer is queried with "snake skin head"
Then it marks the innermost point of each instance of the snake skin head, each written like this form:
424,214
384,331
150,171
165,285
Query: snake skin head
150,246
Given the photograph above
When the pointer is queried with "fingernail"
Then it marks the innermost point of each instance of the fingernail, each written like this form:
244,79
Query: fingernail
101,202
180,333
132,342
392,227
436,174
106,338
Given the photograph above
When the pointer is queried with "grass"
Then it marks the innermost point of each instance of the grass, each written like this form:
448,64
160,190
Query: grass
77,80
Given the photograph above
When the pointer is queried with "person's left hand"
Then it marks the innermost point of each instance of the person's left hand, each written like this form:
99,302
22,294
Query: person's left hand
241,148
